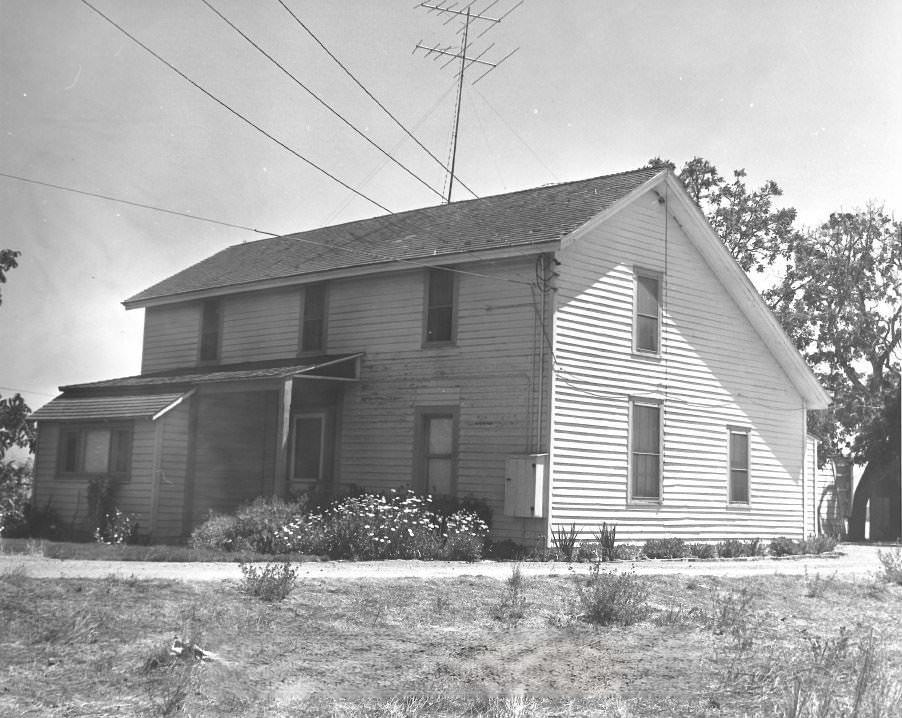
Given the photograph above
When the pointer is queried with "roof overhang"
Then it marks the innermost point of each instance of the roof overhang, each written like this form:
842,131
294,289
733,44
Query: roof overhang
690,218
109,408
297,280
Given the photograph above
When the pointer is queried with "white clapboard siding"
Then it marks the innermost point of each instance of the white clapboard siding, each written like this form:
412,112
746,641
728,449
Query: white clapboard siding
489,375
714,372
173,465
258,326
171,336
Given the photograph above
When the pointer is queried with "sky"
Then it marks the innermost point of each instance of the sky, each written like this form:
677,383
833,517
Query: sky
806,93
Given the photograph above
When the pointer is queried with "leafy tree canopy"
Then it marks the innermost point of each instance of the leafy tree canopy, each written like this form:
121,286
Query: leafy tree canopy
16,429
7,262
839,298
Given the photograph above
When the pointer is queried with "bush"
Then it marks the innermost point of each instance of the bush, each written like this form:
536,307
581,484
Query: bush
374,526
819,544
665,548
511,608
272,582
606,538
702,550
627,552
117,528
506,550
218,532
15,495
255,527
892,565
612,598
735,548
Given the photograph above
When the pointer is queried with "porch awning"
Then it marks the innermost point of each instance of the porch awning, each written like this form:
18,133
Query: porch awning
82,408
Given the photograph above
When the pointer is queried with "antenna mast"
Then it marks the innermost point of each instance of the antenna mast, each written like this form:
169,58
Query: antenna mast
466,61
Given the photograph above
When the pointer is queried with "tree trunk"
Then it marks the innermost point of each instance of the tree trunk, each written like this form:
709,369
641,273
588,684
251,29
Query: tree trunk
881,485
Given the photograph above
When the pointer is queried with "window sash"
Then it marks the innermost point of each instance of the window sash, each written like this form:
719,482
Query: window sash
437,441
440,306
645,451
313,323
739,471
96,450
647,320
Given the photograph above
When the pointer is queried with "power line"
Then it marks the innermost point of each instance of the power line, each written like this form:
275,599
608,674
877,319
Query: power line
135,204
373,97
319,99
234,112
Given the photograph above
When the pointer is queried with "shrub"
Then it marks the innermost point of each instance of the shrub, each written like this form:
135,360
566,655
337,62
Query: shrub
117,528
218,532
702,550
819,544
609,598
15,495
892,565
564,540
665,548
258,523
272,582
627,552
589,551
506,550
511,608
735,548
783,546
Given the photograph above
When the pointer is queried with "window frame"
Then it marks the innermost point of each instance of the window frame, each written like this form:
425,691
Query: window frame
632,498
80,431
742,431
321,415
205,330
659,319
427,307
305,319
421,449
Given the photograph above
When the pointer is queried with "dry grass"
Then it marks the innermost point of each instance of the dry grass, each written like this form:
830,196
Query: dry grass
436,647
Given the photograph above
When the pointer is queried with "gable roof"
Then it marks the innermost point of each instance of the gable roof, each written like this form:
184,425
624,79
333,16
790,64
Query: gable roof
526,219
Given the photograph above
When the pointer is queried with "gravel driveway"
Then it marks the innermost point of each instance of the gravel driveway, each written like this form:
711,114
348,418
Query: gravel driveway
850,562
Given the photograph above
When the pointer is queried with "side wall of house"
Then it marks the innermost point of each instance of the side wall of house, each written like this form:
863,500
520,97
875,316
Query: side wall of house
173,466
171,336
67,494
489,376
714,372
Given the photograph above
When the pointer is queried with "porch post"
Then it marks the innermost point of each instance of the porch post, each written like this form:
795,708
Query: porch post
283,434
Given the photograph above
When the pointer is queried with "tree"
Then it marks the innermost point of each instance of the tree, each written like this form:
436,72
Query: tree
840,299
7,262
16,429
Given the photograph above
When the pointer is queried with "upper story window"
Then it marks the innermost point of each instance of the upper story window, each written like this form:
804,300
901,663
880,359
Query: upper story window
647,319
739,466
440,320
95,450
210,330
645,450
313,321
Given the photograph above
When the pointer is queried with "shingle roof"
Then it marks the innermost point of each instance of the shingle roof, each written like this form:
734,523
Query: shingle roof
105,407
516,219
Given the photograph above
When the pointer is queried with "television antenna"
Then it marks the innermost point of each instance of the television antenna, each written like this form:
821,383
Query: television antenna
466,54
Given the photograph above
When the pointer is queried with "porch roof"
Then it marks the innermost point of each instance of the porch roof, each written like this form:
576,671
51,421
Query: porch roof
87,408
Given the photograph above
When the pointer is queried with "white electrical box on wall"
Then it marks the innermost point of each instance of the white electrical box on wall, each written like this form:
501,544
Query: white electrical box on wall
524,485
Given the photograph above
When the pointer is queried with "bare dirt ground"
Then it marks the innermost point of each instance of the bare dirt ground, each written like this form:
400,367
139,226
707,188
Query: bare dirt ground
849,562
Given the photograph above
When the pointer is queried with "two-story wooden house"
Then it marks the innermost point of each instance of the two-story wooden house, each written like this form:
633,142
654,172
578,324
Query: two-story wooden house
582,352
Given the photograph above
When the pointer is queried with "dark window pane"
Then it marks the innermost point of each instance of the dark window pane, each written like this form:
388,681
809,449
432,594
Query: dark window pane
308,443
441,288
312,337
70,451
209,338
739,485
440,325
120,451
645,476
647,334
646,429
438,473
739,451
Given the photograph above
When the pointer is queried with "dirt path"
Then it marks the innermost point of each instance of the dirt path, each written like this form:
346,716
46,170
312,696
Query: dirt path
852,563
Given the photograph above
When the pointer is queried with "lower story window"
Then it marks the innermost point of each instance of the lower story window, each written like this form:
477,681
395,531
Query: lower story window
309,438
96,450
438,451
739,466
645,450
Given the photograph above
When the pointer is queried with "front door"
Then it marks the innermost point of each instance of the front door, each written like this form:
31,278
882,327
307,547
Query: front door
311,455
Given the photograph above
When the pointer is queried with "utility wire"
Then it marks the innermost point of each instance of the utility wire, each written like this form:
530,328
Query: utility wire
234,112
135,204
373,97
320,100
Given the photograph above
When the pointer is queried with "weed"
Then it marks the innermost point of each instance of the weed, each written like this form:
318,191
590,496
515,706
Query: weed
564,540
609,597
78,628
891,561
736,548
273,582
702,550
511,607
606,538
816,586
14,575
627,552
